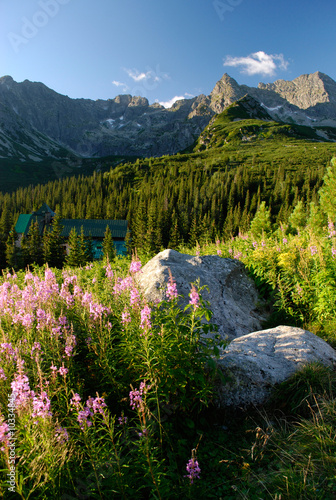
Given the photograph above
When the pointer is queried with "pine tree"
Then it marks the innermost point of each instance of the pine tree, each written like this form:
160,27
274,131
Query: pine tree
85,248
194,232
174,235
109,248
328,190
32,246
52,245
317,219
6,221
13,252
149,244
261,222
139,226
297,219
128,242
74,257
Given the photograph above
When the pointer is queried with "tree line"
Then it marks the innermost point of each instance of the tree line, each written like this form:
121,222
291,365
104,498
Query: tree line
169,200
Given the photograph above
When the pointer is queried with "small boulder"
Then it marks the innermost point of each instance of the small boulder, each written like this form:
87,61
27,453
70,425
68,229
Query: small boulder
232,294
253,364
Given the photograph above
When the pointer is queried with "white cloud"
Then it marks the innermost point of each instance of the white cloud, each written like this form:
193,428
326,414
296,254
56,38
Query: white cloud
258,63
189,95
123,85
137,76
168,104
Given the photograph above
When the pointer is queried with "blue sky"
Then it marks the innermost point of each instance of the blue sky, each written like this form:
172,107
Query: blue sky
98,49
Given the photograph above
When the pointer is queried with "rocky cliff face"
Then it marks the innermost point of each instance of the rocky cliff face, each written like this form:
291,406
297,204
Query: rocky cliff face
129,125
124,125
307,100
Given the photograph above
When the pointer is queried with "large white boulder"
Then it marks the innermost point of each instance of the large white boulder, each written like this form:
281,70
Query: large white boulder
253,364
233,296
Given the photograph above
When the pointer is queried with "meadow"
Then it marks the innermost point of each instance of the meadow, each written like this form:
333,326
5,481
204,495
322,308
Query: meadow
108,396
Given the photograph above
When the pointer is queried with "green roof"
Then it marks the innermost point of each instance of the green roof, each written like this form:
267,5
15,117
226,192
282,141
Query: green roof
44,210
23,223
95,227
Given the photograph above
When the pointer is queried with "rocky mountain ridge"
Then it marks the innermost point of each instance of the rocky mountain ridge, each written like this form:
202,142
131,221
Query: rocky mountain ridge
36,121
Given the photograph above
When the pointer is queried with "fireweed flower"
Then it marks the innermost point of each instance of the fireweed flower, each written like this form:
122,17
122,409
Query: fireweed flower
7,348
331,229
122,420
61,434
74,401
63,320
145,314
83,417
313,250
134,297
193,468
194,297
36,347
108,271
284,241
171,292
125,317
41,406
20,386
4,430
63,371
333,252
2,374
136,395
70,343
219,252
135,266
96,404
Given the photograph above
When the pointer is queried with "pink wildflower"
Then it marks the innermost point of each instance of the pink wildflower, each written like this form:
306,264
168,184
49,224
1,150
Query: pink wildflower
134,297
331,229
70,343
61,435
313,250
20,386
4,430
74,401
63,371
41,406
194,297
122,420
108,271
136,395
171,292
145,313
96,404
83,417
125,317
193,469
135,266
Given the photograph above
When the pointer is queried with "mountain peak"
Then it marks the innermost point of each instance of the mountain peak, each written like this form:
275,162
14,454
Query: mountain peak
306,90
225,92
6,80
